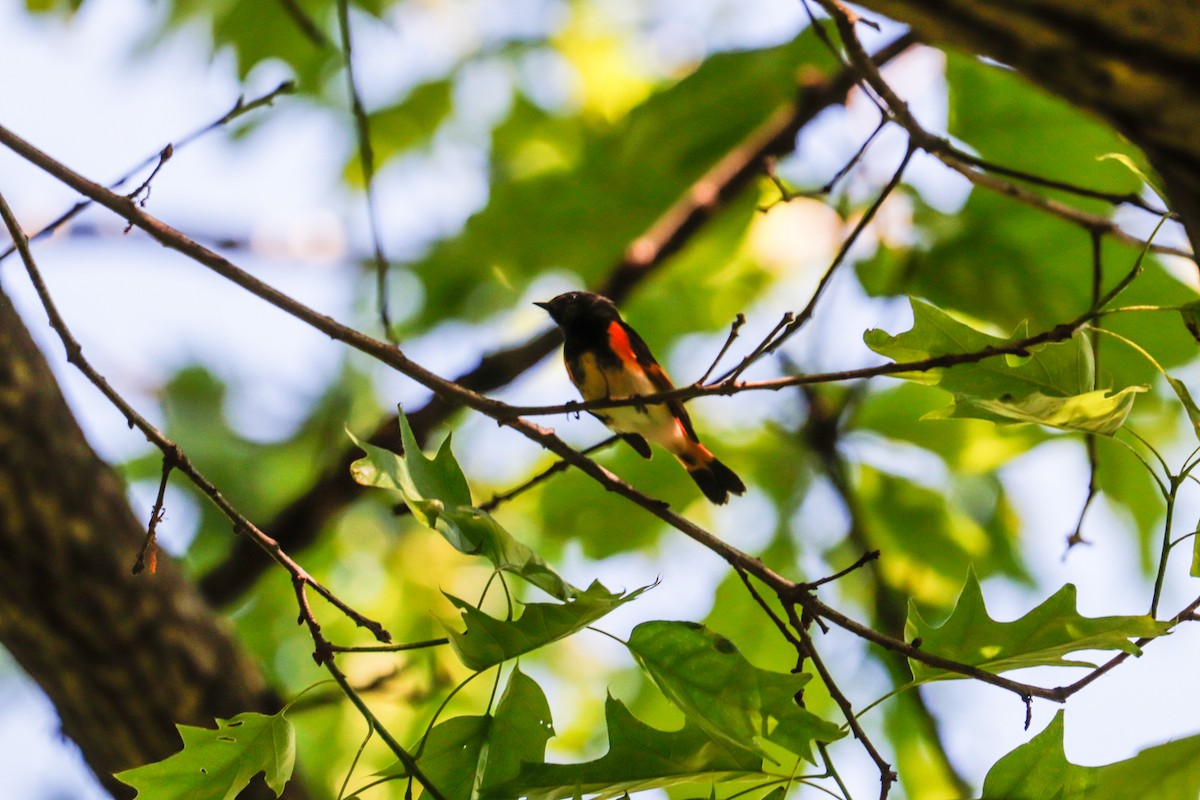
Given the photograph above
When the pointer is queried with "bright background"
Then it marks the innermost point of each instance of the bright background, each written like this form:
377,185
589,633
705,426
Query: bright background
95,95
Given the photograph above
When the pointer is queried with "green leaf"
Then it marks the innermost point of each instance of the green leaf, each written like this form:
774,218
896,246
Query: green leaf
705,675
1053,386
488,641
1058,369
519,732
436,492
421,479
1039,770
405,125
1092,412
466,754
218,764
639,757
1041,637
451,756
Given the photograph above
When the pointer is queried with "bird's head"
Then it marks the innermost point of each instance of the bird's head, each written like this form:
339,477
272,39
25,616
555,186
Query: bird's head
575,308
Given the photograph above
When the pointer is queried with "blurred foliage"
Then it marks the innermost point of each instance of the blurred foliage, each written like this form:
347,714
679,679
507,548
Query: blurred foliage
591,142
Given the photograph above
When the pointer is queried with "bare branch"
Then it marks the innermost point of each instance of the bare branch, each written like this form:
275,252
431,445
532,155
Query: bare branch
240,108
302,520
899,112
172,452
366,157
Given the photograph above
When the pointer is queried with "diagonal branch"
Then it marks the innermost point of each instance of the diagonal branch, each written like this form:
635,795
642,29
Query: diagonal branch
240,108
173,454
977,172
502,413
301,522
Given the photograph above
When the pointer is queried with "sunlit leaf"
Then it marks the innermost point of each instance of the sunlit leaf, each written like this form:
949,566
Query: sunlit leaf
1042,637
705,675
218,764
639,757
1060,369
1054,385
488,641
1099,412
1039,770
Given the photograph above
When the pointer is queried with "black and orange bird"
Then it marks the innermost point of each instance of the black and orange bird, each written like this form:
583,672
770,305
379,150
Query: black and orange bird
607,360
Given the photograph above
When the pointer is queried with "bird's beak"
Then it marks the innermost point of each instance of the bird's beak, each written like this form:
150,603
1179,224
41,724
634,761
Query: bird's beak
544,306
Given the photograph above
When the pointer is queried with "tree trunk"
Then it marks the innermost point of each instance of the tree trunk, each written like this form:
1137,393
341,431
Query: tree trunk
1135,63
122,657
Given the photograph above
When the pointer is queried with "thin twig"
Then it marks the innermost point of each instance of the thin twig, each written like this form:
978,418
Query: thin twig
389,648
887,775
770,612
787,319
863,560
839,258
546,474
366,157
787,195
791,323
163,156
305,23
899,112
738,322
170,449
240,108
148,554
406,758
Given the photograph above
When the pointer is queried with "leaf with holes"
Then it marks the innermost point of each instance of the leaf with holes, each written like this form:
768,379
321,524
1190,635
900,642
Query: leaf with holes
705,675
464,756
218,764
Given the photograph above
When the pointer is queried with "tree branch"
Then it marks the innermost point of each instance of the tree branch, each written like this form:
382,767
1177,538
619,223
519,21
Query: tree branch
301,521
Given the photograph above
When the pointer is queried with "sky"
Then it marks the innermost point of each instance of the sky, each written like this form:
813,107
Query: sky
88,103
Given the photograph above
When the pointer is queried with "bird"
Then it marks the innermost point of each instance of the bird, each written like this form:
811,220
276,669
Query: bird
606,359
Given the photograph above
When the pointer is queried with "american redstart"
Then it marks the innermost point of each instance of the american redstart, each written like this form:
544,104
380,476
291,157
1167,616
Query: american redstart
606,359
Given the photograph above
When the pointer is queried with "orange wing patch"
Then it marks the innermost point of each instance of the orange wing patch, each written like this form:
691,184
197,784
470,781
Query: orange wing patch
618,340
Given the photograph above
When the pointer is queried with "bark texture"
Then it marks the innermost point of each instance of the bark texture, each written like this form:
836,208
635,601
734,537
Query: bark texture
1135,63
122,657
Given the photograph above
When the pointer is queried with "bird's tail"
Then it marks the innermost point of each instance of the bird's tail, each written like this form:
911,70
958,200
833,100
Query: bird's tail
714,478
